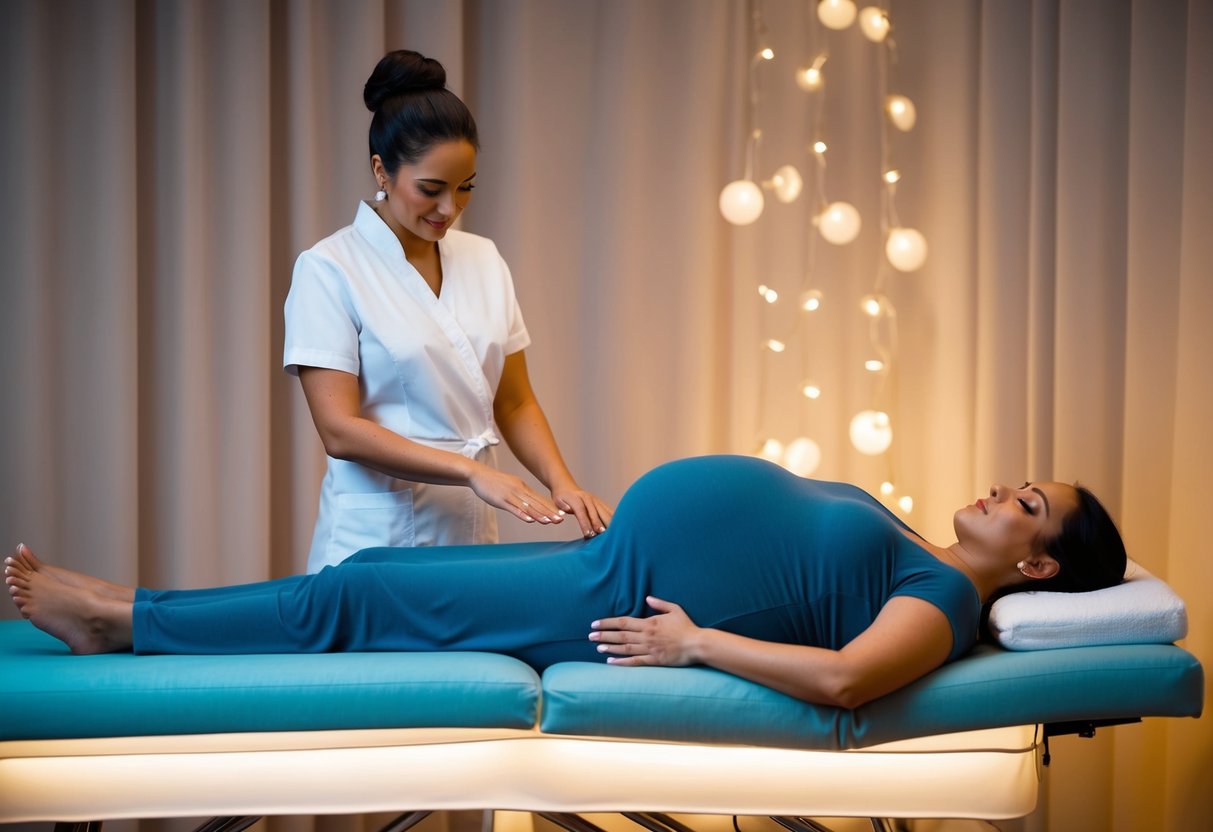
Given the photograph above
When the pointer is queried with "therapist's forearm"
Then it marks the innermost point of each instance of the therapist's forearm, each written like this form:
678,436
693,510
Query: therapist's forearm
527,432
374,446
334,400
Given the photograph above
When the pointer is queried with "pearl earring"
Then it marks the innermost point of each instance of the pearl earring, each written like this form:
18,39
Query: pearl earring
380,195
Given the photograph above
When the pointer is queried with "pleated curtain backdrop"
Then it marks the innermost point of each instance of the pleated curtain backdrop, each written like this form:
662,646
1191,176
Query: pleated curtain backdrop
162,164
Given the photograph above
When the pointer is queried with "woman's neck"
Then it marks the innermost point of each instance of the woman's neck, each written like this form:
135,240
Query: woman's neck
956,557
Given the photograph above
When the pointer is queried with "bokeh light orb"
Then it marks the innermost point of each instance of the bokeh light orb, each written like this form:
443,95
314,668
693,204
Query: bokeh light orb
741,202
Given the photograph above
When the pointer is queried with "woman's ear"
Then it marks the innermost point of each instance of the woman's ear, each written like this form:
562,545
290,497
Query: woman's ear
1039,566
377,169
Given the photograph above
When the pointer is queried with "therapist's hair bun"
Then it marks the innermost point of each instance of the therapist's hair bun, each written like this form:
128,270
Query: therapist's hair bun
413,109
400,72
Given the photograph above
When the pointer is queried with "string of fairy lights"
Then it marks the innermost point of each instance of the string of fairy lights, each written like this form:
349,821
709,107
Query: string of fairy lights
837,222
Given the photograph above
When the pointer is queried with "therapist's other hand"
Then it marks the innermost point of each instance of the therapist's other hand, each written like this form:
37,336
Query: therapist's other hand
667,639
512,494
593,515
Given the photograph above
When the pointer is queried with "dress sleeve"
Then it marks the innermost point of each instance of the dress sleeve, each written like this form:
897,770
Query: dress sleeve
950,592
321,323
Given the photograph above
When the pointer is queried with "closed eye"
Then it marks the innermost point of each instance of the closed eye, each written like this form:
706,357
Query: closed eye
1027,506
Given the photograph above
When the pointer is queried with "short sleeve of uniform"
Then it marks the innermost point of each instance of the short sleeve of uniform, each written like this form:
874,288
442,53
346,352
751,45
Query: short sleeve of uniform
321,323
518,337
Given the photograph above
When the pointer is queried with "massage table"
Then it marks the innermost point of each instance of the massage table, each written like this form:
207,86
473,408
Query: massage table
88,738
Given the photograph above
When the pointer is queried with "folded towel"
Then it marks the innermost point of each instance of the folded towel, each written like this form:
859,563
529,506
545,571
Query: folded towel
1140,610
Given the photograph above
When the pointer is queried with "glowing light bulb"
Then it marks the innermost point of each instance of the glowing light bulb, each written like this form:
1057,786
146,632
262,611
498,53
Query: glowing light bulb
886,488
839,223
811,390
771,450
802,456
892,177
871,432
810,301
873,365
741,202
809,78
873,305
836,14
819,147
768,294
906,502
901,112
767,53
906,249
873,23
775,345
787,183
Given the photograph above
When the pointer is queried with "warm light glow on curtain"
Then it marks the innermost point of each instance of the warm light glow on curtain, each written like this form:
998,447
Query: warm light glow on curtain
163,163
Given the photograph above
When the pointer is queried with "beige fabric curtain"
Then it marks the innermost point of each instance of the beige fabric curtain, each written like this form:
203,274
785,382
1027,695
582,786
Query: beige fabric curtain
163,163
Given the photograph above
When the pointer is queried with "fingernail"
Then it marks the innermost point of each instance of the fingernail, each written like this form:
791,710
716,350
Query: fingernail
560,512
602,528
595,624
602,648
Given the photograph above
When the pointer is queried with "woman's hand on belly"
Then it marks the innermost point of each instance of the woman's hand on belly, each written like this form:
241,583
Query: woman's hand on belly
669,638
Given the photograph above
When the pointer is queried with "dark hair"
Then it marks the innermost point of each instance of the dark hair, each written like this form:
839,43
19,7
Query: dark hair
1089,550
413,109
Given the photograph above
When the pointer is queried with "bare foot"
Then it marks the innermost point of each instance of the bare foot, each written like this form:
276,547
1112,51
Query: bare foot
98,586
87,623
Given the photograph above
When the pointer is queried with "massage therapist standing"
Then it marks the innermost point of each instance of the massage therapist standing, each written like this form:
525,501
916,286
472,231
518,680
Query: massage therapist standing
408,341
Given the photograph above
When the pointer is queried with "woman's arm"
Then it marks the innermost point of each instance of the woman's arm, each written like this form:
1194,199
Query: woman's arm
909,638
335,404
530,437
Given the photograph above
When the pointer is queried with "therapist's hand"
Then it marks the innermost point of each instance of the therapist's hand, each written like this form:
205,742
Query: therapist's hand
668,638
512,494
593,515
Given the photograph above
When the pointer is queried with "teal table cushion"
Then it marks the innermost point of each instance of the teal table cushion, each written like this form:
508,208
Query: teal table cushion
47,693
988,688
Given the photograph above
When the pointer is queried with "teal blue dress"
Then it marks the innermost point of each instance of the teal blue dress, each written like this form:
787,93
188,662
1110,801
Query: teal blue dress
741,544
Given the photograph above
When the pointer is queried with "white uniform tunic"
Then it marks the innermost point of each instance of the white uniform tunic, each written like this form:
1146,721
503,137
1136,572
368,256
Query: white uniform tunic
428,369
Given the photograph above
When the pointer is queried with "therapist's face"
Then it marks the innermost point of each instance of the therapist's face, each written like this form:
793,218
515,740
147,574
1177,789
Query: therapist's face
426,197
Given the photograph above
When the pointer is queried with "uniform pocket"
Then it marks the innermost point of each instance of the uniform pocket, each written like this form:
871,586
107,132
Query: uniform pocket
376,519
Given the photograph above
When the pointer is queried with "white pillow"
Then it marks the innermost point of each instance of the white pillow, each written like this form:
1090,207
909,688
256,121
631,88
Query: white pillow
1140,610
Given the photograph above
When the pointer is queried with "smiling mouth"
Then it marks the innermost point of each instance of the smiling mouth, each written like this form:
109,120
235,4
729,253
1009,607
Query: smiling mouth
436,223
981,504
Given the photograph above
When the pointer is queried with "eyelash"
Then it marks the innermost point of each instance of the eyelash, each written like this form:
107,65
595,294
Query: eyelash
1026,505
429,193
